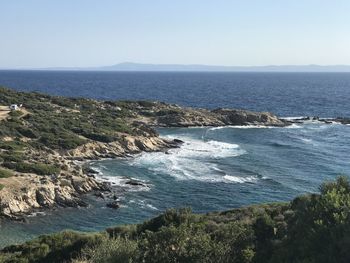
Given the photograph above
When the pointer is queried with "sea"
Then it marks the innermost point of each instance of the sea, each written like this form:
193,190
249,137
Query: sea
217,168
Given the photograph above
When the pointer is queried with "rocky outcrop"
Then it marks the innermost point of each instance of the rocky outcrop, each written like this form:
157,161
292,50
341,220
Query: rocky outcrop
25,193
169,115
125,146
339,120
345,121
244,117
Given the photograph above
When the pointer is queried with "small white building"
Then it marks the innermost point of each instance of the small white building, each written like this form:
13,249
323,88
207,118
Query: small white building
13,107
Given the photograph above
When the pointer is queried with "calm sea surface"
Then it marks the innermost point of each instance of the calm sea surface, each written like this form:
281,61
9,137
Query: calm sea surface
217,168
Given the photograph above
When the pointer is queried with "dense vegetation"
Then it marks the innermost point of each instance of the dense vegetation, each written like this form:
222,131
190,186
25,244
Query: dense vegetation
311,229
47,123
61,123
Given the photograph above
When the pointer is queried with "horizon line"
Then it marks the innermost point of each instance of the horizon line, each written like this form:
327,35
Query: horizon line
134,66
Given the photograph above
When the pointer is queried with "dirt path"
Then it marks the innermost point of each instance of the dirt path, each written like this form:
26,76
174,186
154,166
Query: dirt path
5,110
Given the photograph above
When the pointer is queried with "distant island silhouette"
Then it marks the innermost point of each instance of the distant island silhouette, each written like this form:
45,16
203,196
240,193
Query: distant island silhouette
130,66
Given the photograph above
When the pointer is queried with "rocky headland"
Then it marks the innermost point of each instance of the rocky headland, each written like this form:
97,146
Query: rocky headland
46,142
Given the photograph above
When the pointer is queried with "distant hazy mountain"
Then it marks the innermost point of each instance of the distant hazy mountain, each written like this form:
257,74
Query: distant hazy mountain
177,67
128,66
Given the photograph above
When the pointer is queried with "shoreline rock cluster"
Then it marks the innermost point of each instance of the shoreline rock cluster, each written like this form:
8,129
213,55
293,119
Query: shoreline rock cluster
27,193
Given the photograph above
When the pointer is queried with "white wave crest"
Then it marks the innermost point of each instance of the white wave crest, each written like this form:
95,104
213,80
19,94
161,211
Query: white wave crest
294,126
241,127
239,179
195,160
143,204
293,118
122,181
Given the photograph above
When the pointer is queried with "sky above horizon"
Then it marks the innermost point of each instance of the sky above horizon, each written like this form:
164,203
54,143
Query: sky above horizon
83,33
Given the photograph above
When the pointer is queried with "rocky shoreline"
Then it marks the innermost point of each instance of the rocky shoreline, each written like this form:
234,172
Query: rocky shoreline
28,193
96,130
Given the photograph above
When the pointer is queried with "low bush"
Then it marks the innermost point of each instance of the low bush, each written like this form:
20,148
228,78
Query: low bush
4,173
37,168
12,156
60,247
99,137
61,140
12,145
111,250
16,113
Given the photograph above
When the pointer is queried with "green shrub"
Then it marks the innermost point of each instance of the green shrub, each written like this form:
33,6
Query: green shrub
37,168
12,156
61,140
111,250
55,248
5,173
12,145
100,137
16,113
174,217
26,132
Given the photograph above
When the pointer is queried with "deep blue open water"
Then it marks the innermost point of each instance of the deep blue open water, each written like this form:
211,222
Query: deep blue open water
217,168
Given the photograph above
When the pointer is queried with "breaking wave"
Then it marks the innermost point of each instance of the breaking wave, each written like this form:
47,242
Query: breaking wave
143,204
195,160
121,181
239,179
241,127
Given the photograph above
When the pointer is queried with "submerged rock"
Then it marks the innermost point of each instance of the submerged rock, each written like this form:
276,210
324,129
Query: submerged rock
114,205
345,121
135,183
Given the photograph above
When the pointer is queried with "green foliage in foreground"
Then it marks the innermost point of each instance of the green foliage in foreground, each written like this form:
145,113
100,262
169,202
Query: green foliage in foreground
311,229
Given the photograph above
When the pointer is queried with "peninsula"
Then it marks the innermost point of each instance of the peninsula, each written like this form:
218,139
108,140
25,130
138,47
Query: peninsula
45,142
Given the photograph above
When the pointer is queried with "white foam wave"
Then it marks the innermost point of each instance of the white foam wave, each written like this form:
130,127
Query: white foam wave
143,204
152,207
306,140
122,181
241,127
239,179
34,214
293,118
293,126
195,160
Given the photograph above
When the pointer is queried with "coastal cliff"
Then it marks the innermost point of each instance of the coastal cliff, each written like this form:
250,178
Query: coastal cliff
44,143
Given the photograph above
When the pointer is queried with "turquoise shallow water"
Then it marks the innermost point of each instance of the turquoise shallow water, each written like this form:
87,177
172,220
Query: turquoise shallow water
216,169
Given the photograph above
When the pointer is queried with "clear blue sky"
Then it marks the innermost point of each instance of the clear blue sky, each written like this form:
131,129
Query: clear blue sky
44,33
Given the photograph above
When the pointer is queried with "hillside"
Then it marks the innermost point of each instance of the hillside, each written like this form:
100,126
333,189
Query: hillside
311,228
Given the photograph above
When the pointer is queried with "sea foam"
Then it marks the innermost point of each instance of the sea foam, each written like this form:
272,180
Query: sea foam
194,160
